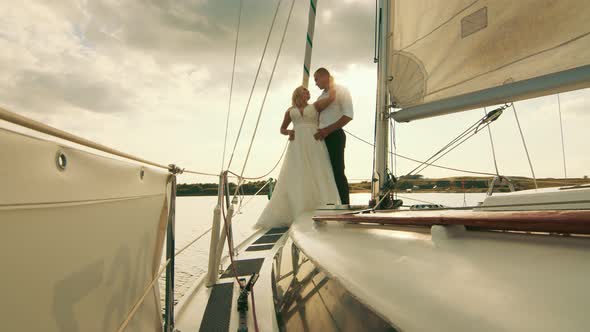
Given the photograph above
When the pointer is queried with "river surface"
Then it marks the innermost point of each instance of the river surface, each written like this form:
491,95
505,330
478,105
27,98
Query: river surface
194,216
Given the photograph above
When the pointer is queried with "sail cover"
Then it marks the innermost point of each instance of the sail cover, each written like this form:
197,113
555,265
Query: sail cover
81,238
454,55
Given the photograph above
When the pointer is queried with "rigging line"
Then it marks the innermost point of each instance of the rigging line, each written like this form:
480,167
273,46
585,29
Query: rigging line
231,86
266,92
417,200
525,147
200,173
453,141
254,84
562,140
376,40
192,242
242,206
267,173
422,162
244,177
45,129
147,290
391,145
395,146
467,131
392,156
452,148
485,112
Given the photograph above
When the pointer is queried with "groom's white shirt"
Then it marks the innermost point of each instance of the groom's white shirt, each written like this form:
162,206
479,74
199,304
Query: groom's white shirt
341,106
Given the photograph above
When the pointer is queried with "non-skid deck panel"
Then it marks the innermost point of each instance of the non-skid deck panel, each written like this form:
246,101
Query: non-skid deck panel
244,267
218,311
260,248
265,239
277,230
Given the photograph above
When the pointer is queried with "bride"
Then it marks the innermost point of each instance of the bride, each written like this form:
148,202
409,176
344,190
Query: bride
306,180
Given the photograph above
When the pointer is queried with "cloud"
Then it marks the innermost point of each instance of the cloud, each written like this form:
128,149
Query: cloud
140,74
38,90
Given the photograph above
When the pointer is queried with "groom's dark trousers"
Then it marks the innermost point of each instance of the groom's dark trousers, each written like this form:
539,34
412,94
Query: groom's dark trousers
336,142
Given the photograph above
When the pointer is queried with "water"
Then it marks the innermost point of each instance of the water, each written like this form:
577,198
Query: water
194,216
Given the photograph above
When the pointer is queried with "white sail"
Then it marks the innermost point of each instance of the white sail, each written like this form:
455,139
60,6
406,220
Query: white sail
449,56
81,238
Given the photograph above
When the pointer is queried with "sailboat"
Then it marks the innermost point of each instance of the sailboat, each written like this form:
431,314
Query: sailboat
517,262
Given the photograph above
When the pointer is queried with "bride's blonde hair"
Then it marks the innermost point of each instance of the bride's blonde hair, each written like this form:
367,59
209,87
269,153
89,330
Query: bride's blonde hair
297,98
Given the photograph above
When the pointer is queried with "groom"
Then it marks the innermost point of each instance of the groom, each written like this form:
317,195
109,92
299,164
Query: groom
332,119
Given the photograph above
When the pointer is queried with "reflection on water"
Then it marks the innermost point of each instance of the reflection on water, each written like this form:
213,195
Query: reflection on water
194,216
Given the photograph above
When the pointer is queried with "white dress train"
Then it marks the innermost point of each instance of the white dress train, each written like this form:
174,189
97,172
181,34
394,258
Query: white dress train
306,180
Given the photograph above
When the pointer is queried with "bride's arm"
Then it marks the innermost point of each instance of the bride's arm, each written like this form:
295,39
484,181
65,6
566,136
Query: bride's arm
285,125
321,104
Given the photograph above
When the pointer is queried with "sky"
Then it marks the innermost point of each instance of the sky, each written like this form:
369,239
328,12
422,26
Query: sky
152,78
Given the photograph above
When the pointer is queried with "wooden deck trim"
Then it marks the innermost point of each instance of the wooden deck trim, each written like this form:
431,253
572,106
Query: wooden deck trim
550,221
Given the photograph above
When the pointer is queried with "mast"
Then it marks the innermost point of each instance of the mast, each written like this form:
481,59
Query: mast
382,105
309,42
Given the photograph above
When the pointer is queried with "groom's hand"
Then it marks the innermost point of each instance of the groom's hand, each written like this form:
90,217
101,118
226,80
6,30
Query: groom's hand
321,134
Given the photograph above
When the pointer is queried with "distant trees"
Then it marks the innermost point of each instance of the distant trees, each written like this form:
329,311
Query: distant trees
210,189
417,181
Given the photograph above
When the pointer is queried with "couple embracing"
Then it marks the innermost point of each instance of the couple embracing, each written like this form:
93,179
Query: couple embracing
312,173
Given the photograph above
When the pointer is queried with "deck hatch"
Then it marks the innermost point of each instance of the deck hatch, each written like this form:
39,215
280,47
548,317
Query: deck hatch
218,311
244,267
260,248
277,230
265,239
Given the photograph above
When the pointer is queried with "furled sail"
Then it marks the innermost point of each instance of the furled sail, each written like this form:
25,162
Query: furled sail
454,55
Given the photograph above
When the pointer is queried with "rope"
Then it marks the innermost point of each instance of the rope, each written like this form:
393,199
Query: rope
242,206
485,112
457,141
156,278
254,84
200,173
376,41
267,173
140,301
417,200
422,162
192,242
254,309
266,92
525,147
391,144
562,140
231,86
43,128
464,136
244,177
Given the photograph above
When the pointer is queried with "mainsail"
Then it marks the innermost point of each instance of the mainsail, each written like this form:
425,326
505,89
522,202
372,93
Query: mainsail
454,55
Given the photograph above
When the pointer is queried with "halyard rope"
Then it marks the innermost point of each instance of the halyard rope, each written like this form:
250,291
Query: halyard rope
231,86
266,93
485,112
562,140
421,162
525,147
253,85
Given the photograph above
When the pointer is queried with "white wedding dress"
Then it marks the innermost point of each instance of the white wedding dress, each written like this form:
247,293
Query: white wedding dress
306,180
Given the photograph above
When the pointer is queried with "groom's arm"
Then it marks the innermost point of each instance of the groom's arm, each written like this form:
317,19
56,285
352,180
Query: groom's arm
322,133
345,101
